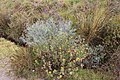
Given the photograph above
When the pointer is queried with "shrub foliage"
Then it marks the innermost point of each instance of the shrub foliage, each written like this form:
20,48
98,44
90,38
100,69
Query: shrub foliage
54,47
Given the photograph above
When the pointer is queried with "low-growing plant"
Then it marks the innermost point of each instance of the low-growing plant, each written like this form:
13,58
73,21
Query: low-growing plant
55,46
21,63
87,74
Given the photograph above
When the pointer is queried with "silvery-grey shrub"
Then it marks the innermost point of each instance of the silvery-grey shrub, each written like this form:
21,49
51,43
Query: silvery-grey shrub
50,32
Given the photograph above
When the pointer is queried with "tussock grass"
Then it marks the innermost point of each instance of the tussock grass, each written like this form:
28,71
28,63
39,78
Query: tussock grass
7,48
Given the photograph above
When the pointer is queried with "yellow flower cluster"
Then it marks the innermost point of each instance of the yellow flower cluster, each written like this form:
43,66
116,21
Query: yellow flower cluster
77,59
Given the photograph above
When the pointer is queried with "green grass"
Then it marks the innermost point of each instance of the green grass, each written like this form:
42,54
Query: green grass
84,74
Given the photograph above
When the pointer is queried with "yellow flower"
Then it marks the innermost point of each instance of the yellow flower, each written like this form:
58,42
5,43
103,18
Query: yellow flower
62,69
68,51
49,72
60,76
77,59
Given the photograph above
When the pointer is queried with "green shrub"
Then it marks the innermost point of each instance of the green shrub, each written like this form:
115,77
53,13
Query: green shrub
54,49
